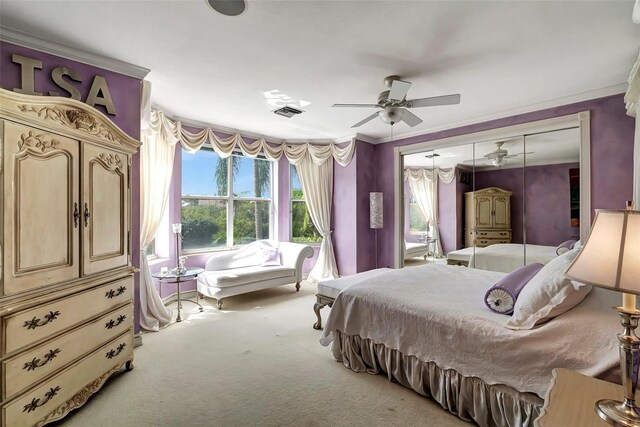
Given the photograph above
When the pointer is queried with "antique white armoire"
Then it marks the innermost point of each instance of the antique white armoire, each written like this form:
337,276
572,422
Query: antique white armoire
66,283
487,217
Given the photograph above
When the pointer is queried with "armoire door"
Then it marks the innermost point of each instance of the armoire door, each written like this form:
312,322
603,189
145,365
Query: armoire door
484,216
42,206
104,209
501,212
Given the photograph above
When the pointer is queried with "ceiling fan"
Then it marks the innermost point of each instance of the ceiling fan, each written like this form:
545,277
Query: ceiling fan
393,104
497,157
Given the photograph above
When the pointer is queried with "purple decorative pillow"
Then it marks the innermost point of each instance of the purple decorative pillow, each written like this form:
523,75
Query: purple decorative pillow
501,297
270,256
565,246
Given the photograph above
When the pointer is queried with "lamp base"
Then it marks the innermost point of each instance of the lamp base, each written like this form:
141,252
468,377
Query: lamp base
617,413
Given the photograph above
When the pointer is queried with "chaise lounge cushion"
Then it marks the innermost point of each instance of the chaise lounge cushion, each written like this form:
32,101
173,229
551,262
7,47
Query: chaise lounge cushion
245,275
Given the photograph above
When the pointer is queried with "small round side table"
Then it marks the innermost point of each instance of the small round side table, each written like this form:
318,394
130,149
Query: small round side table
187,276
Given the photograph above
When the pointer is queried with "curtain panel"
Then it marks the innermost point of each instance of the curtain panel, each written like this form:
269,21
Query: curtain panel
156,167
632,100
224,147
423,184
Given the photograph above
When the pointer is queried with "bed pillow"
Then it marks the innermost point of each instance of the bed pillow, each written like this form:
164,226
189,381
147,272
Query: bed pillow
565,246
501,297
549,294
270,257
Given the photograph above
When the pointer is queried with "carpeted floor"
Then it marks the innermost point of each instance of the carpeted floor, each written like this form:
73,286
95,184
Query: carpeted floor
256,363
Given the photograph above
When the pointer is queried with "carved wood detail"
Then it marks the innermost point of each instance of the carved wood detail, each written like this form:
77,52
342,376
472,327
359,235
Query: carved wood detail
112,161
80,398
37,142
75,119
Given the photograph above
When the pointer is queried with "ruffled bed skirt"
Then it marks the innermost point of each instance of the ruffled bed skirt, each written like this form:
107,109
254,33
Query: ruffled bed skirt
467,397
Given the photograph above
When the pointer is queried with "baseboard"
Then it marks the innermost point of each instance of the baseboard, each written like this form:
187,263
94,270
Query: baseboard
137,340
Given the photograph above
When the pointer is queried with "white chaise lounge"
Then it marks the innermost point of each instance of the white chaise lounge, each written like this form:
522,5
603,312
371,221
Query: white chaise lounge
243,270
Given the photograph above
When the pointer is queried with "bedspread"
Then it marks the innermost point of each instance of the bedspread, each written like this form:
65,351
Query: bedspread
436,313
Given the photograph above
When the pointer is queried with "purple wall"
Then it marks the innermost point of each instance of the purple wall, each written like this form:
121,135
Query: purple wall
461,188
447,215
546,201
126,95
612,133
366,183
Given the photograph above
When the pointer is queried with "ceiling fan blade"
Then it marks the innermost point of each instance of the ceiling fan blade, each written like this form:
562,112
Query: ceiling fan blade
434,101
410,118
518,154
472,161
357,105
368,119
399,89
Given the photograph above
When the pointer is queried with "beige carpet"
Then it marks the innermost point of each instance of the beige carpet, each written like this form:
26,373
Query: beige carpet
256,363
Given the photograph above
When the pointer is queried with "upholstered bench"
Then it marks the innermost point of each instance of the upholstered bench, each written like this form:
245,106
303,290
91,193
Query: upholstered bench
460,257
328,290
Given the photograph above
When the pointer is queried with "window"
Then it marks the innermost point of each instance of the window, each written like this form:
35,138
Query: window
225,202
417,221
302,228
151,249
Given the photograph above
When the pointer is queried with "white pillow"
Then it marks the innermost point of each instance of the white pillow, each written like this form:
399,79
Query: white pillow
549,294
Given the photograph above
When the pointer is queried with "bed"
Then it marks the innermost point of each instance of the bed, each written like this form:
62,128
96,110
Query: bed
502,257
427,328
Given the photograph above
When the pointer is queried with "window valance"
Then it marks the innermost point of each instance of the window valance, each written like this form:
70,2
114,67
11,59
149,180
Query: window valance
430,174
172,132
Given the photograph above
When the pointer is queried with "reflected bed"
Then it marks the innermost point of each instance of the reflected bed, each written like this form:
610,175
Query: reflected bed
503,257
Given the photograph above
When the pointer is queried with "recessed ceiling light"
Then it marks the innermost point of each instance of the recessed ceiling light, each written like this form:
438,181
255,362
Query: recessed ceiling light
228,7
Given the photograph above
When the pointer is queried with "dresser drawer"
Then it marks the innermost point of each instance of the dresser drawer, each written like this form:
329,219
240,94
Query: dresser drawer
488,242
33,406
494,234
29,326
30,366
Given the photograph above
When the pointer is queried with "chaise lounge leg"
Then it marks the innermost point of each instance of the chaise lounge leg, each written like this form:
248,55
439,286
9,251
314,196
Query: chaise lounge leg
220,304
297,286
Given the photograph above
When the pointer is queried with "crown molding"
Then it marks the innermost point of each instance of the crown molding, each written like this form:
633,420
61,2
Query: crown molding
21,38
616,89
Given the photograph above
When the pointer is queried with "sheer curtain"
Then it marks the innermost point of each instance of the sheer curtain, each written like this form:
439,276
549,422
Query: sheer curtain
317,185
632,98
423,184
156,167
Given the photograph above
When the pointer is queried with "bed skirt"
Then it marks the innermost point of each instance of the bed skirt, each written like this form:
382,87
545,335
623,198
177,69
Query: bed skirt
467,397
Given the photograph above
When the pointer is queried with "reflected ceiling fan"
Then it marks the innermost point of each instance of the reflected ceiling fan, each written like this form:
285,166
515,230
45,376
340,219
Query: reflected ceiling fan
497,157
394,105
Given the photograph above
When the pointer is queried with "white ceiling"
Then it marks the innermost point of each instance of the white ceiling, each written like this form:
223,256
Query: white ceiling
501,56
562,146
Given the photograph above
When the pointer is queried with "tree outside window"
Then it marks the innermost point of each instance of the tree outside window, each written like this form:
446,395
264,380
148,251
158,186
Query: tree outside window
302,228
225,202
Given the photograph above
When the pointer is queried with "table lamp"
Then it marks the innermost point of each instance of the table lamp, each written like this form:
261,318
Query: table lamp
610,259
177,230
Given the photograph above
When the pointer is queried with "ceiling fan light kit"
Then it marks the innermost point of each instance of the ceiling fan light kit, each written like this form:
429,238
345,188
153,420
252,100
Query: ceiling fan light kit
395,106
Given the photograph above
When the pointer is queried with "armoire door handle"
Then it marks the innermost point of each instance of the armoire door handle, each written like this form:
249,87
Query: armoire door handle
76,215
86,215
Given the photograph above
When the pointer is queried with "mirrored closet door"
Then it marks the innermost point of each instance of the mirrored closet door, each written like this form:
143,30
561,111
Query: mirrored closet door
496,204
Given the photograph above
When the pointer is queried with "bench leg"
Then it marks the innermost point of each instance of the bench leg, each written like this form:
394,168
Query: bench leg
316,308
297,286
321,302
220,304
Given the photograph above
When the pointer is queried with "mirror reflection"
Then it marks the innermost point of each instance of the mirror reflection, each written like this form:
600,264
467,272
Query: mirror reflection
494,205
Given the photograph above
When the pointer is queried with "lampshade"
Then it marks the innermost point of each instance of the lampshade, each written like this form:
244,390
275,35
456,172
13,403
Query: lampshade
611,256
375,210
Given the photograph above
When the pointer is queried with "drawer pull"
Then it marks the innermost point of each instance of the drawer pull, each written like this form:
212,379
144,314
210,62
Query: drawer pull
35,403
113,323
113,353
35,363
112,294
37,322
87,214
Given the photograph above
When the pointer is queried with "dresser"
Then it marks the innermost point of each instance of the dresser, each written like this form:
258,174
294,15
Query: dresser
66,280
487,217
